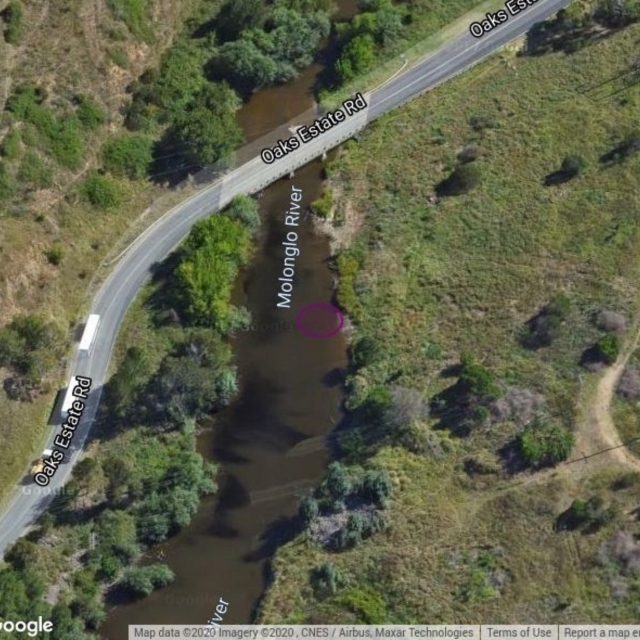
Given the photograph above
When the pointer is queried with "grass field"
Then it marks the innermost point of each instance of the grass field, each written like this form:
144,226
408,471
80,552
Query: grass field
464,274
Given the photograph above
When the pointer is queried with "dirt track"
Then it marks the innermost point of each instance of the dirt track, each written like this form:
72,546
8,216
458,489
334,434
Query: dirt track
596,431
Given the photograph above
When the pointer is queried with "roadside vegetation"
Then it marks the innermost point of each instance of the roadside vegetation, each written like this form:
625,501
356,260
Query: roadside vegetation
143,479
487,299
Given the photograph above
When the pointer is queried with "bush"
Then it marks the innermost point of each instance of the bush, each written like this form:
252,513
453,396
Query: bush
348,268
608,348
477,379
14,22
368,605
338,482
101,191
89,113
322,206
543,443
308,510
366,352
326,580
376,486
141,581
55,254
10,146
611,321
128,156
629,385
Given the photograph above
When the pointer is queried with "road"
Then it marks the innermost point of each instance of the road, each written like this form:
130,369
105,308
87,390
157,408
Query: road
132,270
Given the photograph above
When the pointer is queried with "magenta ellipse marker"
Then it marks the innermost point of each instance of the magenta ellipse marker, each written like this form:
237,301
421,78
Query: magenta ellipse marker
319,305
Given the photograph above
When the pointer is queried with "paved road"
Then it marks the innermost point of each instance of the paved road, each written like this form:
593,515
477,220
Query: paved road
133,269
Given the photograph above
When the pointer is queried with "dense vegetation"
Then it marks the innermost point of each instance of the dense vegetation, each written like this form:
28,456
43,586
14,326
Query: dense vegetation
146,479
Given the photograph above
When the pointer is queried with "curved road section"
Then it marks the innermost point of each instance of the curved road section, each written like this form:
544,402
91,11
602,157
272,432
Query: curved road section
152,246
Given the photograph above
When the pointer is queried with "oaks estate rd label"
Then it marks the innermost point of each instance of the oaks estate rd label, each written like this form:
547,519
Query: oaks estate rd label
306,133
492,20
67,431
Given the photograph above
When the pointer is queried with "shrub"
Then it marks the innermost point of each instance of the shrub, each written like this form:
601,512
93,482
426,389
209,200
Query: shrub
608,348
368,605
326,580
366,352
55,254
543,443
308,509
14,22
338,482
477,379
322,206
89,113
629,385
348,268
141,581
376,486
611,321
128,156
101,191
10,146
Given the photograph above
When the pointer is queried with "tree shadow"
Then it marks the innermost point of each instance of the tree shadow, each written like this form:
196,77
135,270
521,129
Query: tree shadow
452,408
560,34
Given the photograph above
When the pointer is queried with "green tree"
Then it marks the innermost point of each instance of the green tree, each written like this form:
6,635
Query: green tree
544,443
128,156
355,58
207,128
211,257
237,16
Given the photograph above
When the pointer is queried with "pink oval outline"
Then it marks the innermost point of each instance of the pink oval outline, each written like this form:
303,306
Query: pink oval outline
322,305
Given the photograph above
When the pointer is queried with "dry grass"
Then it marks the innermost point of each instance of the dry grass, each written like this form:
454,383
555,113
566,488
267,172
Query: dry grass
65,49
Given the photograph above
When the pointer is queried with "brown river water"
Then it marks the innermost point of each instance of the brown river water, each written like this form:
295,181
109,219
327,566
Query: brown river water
269,443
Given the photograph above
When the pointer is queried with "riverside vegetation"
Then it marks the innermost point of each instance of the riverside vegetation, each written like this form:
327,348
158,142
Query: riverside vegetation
105,105
142,479
99,110
491,284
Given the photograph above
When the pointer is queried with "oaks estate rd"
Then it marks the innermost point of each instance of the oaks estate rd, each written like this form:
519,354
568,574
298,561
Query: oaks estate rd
67,431
492,20
306,133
